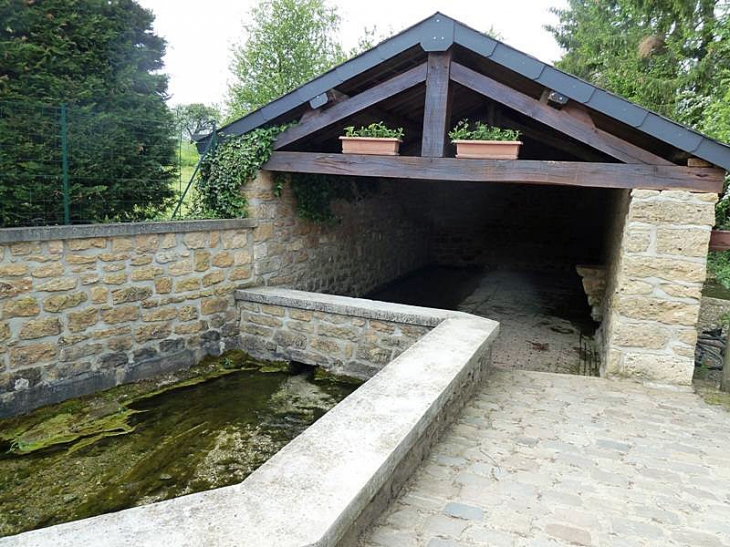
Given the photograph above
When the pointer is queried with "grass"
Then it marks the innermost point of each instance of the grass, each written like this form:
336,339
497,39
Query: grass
188,158
708,390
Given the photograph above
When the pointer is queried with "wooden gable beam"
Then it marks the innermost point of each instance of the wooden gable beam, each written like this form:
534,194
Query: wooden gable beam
437,108
565,173
564,122
334,97
542,135
351,106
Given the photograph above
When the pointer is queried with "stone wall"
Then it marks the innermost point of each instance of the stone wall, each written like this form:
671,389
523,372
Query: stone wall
655,284
355,341
86,308
373,242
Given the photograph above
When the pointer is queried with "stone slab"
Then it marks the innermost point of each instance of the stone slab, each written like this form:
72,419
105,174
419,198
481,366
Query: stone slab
82,231
342,305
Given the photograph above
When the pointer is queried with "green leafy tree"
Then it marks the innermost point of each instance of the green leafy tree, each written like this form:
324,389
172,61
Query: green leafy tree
666,55
671,56
102,59
195,119
288,42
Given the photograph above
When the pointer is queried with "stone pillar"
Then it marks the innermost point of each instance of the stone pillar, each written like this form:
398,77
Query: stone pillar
655,284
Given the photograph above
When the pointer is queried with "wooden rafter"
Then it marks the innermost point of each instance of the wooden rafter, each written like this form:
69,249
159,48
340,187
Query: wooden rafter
601,175
437,107
542,135
564,122
351,106
334,97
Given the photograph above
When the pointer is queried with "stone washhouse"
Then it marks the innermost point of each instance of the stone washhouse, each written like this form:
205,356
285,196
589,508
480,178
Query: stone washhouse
604,194
602,186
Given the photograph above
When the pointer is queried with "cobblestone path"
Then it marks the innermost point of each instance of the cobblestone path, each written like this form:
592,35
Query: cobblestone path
540,459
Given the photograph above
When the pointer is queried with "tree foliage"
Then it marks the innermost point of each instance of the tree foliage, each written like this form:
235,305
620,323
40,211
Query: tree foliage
102,58
667,55
288,42
671,56
196,119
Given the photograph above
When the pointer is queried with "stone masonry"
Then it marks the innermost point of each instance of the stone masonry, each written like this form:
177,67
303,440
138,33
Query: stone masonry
80,314
655,283
373,241
340,343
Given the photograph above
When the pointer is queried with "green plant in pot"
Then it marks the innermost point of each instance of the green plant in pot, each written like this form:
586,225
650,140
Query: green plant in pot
485,141
375,139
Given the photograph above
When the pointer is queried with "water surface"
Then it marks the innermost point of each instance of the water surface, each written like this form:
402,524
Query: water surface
182,441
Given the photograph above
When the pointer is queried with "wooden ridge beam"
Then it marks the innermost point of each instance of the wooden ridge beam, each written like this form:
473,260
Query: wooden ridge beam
560,120
351,106
598,175
437,107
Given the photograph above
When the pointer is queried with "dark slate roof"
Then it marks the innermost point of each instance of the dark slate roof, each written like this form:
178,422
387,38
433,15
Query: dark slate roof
438,33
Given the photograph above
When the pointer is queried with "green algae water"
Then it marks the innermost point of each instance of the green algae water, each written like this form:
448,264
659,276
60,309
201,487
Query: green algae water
154,444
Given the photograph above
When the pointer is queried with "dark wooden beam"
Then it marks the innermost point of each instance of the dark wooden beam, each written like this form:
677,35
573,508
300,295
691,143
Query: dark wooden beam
560,120
437,107
600,175
351,106
542,135
719,240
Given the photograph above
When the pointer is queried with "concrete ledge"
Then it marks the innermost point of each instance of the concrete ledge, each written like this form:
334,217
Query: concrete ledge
323,486
46,233
343,305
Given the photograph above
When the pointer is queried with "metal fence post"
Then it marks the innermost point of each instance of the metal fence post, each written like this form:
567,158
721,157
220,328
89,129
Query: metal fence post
64,160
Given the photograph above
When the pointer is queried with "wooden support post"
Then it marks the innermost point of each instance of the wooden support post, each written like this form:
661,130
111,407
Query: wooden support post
437,108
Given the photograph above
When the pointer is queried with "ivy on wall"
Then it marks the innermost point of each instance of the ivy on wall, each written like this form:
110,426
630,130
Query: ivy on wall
237,160
314,194
233,163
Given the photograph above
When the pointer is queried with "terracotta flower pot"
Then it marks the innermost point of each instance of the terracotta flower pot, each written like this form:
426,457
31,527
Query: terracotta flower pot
370,145
488,150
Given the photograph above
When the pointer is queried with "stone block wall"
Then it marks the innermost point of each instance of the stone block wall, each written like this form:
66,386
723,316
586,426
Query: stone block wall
86,308
655,284
340,334
373,242
339,343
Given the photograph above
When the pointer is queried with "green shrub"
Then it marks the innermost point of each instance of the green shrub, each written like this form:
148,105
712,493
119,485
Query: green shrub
718,266
481,132
374,130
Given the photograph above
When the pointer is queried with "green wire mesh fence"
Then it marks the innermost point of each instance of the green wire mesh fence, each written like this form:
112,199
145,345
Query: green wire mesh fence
69,164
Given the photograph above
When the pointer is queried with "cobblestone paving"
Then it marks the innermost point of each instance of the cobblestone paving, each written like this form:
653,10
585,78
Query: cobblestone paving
540,459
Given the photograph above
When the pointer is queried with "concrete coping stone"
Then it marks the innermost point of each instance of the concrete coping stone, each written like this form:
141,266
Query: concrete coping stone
311,492
344,305
121,229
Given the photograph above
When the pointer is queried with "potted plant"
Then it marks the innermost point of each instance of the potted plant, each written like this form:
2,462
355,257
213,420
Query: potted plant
485,141
376,138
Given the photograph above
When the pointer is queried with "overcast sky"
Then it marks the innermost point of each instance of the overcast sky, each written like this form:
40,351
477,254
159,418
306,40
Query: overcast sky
200,33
